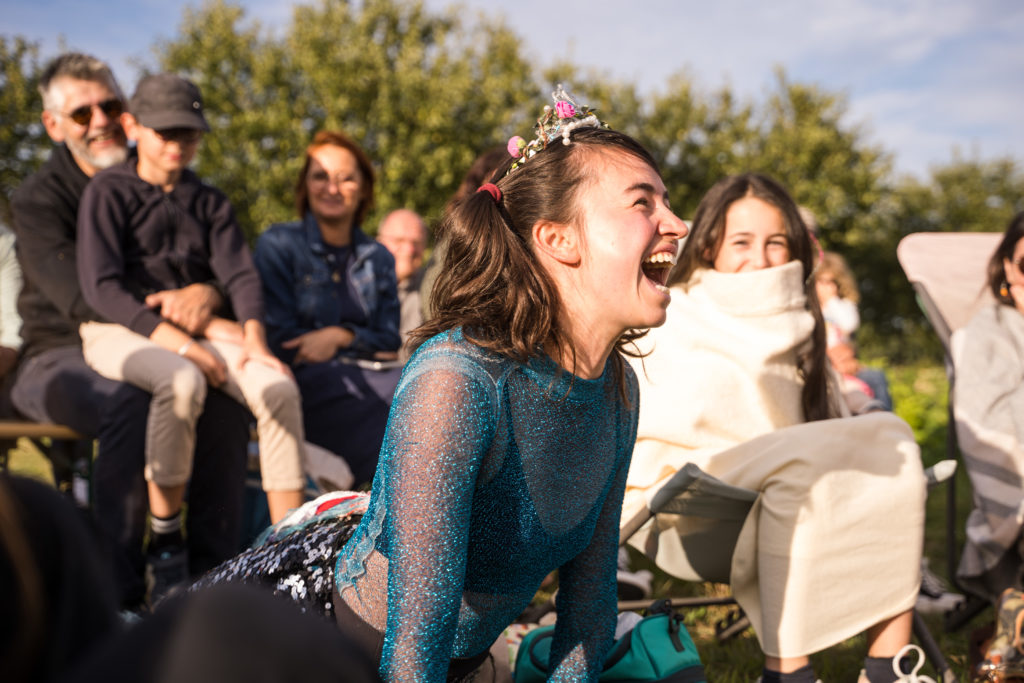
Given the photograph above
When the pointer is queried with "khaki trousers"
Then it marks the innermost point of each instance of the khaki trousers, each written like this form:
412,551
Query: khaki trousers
179,391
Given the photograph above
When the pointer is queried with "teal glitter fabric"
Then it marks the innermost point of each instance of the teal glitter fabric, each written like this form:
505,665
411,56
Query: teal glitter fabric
492,474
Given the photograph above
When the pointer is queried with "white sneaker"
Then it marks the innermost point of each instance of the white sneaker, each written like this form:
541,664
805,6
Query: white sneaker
913,676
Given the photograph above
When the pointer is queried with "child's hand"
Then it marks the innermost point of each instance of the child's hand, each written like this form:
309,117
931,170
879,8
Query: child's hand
319,346
211,366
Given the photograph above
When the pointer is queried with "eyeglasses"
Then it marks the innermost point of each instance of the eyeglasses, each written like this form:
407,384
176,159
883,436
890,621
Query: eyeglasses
322,178
112,109
183,136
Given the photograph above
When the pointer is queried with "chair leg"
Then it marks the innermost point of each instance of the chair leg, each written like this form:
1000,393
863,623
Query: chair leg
734,623
6,446
932,651
959,616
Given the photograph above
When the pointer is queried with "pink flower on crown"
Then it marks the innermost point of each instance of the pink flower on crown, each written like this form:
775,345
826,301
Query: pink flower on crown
515,146
564,109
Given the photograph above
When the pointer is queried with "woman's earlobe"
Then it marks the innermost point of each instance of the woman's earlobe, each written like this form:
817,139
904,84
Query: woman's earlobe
558,241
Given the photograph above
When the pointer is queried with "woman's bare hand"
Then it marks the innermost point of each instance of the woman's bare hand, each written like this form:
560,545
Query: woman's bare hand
320,345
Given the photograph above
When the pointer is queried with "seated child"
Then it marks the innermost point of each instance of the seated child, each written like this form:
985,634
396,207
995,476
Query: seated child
148,225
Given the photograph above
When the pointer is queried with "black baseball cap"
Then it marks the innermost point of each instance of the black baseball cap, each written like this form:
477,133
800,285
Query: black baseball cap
166,101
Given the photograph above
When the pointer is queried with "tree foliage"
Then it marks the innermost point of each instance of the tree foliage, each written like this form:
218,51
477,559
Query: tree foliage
23,141
420,93
423,92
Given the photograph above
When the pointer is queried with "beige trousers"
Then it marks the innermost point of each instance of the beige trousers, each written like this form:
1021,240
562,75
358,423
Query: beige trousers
833,544
179,392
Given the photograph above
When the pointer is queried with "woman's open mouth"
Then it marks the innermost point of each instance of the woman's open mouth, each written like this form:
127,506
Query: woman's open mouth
656,268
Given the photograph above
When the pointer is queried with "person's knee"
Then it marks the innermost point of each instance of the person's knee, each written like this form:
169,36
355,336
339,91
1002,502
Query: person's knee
185,387
281,395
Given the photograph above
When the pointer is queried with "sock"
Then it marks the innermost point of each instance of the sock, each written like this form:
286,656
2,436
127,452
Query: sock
804,674
879,669
165,531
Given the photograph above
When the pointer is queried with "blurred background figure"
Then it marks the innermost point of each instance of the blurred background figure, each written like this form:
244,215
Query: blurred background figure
331,303
10,321
58,595
989,404
839,297
404,234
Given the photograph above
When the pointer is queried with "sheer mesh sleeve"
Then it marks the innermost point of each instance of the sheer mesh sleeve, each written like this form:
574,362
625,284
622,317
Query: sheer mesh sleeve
585,629
433,456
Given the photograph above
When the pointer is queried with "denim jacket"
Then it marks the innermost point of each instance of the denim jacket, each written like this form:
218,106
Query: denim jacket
299,296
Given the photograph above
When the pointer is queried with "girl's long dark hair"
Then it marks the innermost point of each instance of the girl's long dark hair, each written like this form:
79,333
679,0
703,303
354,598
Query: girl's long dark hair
491,284
706,237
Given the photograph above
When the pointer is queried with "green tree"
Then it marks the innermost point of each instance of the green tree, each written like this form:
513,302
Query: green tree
23,141
249,91
419,92
697,138
960,196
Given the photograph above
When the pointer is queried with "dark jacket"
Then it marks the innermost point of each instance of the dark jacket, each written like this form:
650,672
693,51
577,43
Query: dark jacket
300,297
45,211
135,239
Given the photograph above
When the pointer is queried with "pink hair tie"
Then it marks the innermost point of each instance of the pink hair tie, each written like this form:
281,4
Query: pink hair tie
491,189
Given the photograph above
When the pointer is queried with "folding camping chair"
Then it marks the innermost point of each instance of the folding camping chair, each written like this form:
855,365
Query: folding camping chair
695,521
947,271
706,517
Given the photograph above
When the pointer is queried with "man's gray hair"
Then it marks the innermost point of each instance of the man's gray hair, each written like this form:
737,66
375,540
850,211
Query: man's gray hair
78,66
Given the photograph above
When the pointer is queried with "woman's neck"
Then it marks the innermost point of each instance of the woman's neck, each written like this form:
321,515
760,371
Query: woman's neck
335,233
588,350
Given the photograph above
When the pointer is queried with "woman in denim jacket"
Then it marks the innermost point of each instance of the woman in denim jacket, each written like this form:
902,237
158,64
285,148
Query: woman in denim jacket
332,304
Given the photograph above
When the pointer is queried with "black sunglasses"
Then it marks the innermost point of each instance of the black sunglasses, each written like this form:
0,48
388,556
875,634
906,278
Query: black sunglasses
183,136
111,108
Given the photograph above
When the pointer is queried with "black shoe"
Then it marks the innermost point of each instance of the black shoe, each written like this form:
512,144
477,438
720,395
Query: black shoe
166,572
632,585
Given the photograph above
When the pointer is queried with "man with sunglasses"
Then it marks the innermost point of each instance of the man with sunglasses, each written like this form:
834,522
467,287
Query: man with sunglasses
82,108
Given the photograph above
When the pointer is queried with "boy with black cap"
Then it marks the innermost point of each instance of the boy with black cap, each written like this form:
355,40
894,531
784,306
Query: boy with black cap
150,224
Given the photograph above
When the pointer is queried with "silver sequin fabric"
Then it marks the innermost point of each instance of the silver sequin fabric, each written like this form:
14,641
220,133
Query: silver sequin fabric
493,473
299,565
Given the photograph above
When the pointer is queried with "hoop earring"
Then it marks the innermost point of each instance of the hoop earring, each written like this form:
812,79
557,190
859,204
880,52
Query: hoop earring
1004,289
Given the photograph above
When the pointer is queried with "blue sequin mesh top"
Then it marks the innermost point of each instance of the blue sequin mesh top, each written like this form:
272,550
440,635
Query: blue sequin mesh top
492,474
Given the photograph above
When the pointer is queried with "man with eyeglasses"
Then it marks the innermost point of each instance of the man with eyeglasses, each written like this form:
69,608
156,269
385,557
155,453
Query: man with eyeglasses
82,108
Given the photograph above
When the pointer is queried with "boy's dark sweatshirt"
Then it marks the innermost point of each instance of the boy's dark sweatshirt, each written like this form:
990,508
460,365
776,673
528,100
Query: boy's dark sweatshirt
134,239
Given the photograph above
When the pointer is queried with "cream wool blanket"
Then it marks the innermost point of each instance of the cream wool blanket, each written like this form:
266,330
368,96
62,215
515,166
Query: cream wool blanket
833,543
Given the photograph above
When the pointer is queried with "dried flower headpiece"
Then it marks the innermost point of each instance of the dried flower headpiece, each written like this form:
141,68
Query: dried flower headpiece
554,123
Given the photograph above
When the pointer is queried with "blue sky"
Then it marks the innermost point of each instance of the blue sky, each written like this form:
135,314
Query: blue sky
921,76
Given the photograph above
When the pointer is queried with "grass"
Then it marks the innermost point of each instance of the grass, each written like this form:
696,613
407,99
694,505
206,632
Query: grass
920,397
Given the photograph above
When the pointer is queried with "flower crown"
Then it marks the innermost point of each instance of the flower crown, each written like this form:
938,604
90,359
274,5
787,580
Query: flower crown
555,122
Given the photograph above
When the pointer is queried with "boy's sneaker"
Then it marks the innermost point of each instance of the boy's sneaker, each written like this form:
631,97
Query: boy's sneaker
166,572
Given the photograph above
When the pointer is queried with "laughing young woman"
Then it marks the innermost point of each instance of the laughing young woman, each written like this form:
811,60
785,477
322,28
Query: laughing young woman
512,427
